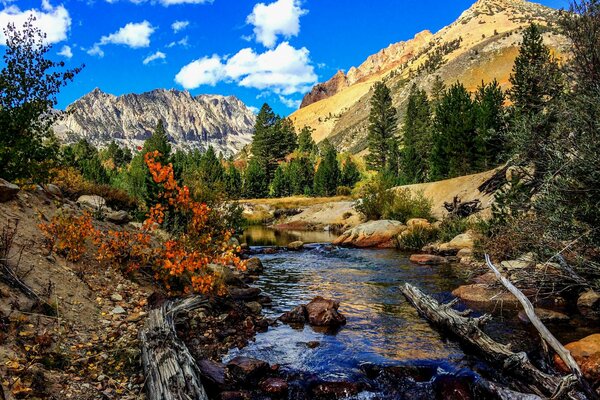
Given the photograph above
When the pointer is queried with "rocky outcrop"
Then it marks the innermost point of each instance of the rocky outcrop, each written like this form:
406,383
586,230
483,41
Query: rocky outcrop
192,122
326,89
588,304
380,234
8,191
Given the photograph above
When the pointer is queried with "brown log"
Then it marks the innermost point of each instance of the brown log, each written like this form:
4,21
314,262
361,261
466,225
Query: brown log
527,377
170,369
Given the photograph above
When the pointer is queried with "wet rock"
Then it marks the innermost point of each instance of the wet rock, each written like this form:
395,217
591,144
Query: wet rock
335,390
254,265
417,373
276,387
246,369
586,353
270,250
451,387
484,295
377,234
224,273
313,344
239,395
545,315
427,259
264,300
118,217
254,307
251,293
589,304
324,312
295,316
92,202
8,191
212,374
295,246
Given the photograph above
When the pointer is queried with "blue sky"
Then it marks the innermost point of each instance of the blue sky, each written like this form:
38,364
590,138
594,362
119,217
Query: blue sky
260,52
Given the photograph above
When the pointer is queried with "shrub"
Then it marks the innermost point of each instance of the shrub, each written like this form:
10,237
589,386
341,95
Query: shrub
407,204
343,191
375,198
452,227
417,237
68,235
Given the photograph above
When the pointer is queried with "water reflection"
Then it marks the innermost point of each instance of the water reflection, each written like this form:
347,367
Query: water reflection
259,235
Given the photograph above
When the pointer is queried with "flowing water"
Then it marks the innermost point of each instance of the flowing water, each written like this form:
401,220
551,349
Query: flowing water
382,327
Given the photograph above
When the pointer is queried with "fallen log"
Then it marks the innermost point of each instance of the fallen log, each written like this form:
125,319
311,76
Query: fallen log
545,334
170,369
528,378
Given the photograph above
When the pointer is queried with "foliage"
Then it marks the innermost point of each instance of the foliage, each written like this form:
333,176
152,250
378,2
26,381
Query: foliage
29,84
407,204
280,186
375,198
300,175
256,183
328,172
417,237
452,227
416,137
68,235
490,124
383,125
350,175
86,158
306,144
233,182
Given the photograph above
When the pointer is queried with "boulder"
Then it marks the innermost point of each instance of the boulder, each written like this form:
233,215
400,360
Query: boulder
462,241
275,387
586,353
92,202
545,315
251,293
462,253
422,222
295,316
254,265
377,234
295,246
246,369
8,191
212,373
254,307
484,295
427,259
589,304
523,262
53,190
118,217
324,312
224,273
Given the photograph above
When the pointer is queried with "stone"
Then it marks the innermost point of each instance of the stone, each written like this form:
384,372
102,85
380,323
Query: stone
462,253
254,265
116,297
270,250
522,262
212,373
295,316
251,293
380,234
246,369
588,304
274,387
545,315
254,306
118,217
295,246
487,279
421,222
335,390
484,295
118,310
53,190
224,273
236,395
313,344
427,259
324,312
462,241
92,201
586,353
8,191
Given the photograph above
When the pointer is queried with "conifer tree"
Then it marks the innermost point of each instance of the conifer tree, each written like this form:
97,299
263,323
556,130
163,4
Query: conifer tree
306,144
416,137
328,173
280,185
383,125
210,169
300,173
350,174
256,183
490,123
233,182
438,88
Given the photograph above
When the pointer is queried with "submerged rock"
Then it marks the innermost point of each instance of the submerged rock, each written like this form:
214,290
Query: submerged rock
427,259
335,390
277,387
246,369
377,234
324,312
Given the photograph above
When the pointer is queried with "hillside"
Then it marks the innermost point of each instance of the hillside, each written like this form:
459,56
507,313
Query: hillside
480,45
193,122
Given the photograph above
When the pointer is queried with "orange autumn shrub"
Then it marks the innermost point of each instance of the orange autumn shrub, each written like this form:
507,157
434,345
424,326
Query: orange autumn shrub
68,235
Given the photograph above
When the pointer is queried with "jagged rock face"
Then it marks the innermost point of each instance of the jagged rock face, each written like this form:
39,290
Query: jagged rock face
191,122
326,89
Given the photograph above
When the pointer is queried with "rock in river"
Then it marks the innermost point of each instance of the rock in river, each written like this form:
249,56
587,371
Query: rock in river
246,369
378,234
274,387
295,246
427,259
324,312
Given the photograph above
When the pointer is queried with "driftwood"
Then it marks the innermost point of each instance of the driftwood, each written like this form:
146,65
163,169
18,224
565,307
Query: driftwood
170,369
462,210
468,331
545,334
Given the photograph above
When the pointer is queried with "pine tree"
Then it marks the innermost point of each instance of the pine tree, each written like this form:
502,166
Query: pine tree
438,88
490,123
417,137
453,135
233,182
210,169
158,141
350,174
300,173
383,125
285,140
256,183
306,144
328,173
280,185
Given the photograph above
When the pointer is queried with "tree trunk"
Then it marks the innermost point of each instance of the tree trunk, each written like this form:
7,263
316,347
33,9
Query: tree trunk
468,331
171,371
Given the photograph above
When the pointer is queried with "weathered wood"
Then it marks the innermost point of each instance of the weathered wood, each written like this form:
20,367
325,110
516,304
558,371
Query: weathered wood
545,334
468,331
170,369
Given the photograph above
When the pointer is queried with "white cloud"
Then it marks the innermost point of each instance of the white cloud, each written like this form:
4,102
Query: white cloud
134,35
95,50
204,71
55,22
291,103
66,52
182,42
254,110
159,55
179,25
279,18
284,70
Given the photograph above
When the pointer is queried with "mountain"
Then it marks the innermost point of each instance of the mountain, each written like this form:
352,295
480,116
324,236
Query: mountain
480,45
192,122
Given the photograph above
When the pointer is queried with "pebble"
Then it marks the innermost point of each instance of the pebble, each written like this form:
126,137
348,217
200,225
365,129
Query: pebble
118,310
116,297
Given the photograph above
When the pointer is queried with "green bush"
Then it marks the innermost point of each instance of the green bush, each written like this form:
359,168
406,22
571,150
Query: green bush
407,204
417,237
375,198
343,191
452,227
